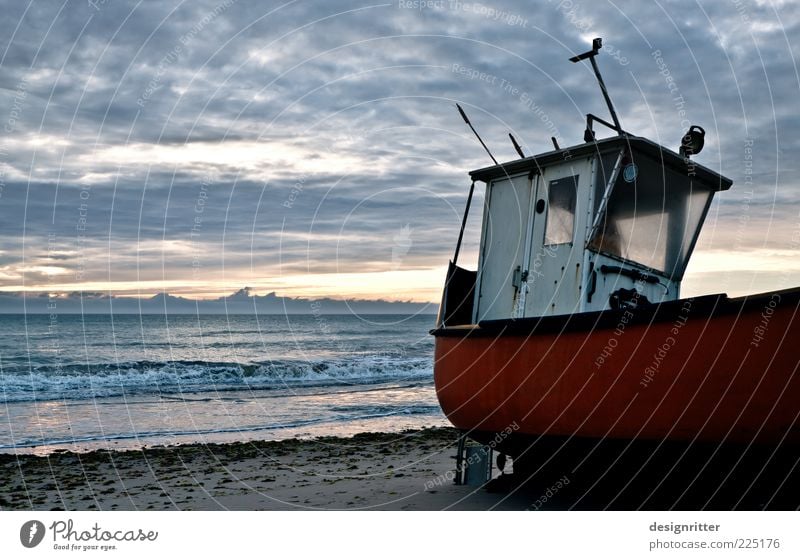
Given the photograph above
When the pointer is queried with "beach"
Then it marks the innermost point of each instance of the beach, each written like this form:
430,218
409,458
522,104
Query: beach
210,412
410,470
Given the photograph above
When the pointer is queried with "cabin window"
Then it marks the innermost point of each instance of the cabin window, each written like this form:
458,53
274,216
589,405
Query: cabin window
561,195
652,219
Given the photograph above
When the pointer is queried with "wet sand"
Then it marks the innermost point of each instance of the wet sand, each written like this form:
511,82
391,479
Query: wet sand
411,470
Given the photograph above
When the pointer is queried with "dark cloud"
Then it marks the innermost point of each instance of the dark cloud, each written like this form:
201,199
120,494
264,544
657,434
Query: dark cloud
307,137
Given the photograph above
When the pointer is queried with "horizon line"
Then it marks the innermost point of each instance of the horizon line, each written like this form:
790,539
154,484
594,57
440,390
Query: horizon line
99,295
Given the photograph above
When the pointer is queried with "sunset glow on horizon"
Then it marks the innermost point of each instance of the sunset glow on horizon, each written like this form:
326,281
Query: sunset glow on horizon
315,151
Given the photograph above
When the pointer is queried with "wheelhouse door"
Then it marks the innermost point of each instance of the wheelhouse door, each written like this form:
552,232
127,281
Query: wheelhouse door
503,247
554,276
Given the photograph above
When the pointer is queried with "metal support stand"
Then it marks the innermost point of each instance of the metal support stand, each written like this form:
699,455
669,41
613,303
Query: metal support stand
469,454
462,441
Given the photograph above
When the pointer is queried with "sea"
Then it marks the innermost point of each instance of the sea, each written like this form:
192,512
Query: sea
85,382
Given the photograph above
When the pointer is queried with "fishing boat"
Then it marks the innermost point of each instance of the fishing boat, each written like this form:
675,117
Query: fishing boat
572,327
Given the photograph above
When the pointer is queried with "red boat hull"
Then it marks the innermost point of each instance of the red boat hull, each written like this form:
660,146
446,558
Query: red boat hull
709,369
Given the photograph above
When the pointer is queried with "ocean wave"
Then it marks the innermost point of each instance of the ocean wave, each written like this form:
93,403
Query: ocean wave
358,413
83,381
236,332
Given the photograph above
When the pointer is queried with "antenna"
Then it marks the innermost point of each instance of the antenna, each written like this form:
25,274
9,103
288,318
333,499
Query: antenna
466,120
516,145
597,44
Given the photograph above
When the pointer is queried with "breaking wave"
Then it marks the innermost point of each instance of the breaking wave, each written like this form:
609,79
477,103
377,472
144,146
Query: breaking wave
70,382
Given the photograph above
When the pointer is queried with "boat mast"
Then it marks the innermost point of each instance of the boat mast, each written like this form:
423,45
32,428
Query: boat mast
597,44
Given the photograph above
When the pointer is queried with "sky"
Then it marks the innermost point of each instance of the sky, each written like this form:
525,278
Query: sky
313,149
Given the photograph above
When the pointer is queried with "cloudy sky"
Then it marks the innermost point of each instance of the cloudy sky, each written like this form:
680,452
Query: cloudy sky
312,147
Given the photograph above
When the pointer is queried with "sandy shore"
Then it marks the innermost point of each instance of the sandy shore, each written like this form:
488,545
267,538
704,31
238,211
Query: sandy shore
403,471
